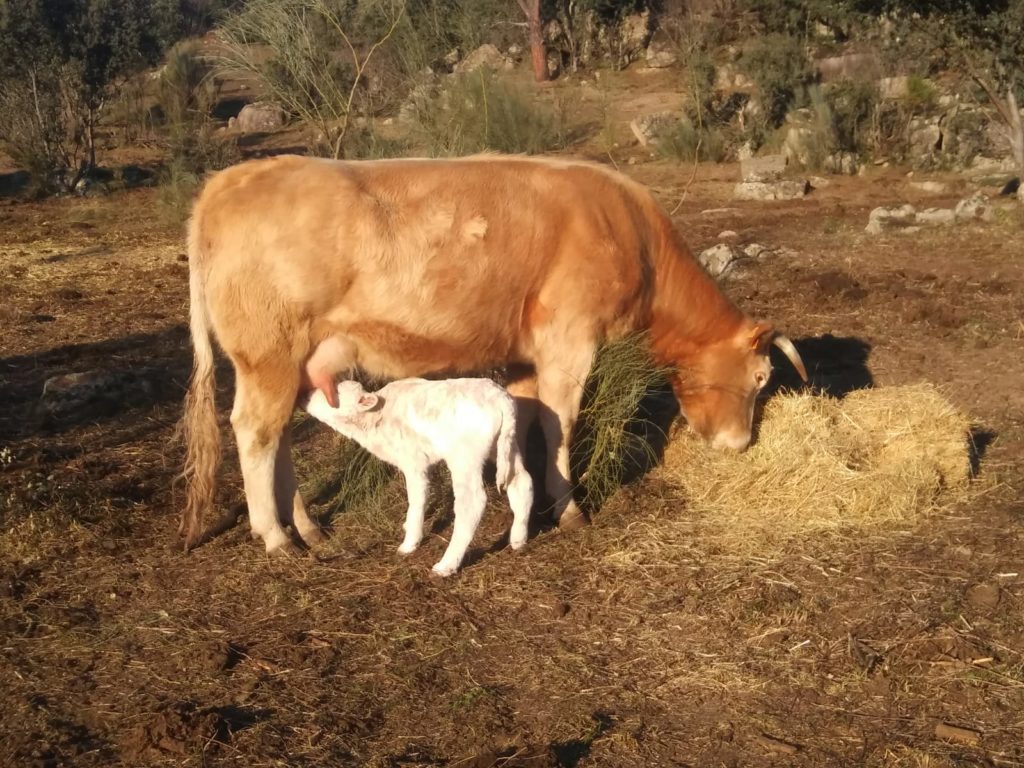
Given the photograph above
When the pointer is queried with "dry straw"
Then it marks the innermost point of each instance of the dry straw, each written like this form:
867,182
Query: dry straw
820,464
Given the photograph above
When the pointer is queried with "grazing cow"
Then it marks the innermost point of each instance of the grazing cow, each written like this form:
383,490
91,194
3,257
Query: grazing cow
413,424
306,269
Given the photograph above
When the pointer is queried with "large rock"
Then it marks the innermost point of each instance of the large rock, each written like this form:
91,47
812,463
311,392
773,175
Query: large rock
931,217
844,163
925,139
728,77
719,259
883,219
800,144
974,208
486,55
771,190
893,87
849,66
931,187
764,168
660,54
260,117
649,128
92,394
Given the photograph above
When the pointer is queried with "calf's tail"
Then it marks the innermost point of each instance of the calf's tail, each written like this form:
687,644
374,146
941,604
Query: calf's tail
199,422
506,447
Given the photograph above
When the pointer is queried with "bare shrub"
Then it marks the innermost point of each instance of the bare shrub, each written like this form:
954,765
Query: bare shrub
690,142
478,111
319,54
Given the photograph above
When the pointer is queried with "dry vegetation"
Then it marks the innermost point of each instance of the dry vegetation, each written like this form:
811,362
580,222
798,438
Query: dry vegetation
820,465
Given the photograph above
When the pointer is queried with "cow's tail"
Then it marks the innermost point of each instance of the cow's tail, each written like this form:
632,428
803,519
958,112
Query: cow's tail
199,423
506,447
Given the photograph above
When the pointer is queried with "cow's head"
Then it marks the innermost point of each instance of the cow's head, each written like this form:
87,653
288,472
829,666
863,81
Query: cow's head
719,386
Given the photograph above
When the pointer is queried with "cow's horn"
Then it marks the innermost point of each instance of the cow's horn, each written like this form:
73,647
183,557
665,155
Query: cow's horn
787,347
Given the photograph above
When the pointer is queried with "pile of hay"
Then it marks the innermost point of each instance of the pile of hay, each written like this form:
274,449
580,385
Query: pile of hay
821,464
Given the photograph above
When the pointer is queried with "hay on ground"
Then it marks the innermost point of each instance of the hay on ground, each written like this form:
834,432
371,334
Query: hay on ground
820,464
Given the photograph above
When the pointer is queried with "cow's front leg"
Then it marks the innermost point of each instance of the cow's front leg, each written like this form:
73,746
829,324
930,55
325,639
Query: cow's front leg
560,388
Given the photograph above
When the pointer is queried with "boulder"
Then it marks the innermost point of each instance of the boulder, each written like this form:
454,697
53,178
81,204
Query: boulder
487,55
890,88
844,163
931,187
94,394
260,117
935,217
728,77
771,190
719,260
849,66
974,208
660,54
764,168
649,128
925,139
884,219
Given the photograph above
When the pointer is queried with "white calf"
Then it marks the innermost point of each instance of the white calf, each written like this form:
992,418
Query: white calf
414,423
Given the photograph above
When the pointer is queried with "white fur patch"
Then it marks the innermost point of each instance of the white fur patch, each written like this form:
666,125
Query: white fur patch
474,229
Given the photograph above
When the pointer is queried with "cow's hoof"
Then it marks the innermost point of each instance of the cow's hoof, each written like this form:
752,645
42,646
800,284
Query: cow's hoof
571,520
407,549
286,549
314,537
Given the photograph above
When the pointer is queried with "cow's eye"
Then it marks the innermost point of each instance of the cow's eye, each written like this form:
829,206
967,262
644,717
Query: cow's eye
760,379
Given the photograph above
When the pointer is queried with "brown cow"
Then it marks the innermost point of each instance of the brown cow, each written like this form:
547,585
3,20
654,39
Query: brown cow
306,268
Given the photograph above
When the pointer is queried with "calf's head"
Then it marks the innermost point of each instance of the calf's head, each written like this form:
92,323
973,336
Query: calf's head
353,401
718,386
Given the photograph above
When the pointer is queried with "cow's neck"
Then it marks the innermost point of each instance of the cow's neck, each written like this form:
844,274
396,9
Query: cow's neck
689,311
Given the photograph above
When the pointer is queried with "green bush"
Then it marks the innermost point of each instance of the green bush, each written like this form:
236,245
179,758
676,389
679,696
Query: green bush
688,142
186,92
781,71
613,438
479,111
852,107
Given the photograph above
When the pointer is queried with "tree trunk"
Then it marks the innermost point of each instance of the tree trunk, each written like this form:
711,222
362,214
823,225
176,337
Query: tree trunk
1016,133
538,54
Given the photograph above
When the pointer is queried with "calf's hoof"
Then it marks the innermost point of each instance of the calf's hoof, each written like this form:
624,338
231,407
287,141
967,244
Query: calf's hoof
444,570
408,548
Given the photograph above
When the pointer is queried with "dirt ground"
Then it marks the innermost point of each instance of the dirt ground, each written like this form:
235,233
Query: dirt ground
607,646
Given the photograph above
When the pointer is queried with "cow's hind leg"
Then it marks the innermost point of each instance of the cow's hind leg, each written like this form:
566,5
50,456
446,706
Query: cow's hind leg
264,401
560,389
290,506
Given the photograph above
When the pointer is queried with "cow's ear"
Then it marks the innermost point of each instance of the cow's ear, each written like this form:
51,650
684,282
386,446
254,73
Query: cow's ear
760,337
367,402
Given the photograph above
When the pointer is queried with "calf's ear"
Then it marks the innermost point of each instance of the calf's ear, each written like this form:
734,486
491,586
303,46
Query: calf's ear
367,402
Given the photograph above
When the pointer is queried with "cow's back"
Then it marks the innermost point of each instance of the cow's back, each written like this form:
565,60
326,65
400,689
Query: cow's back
424,264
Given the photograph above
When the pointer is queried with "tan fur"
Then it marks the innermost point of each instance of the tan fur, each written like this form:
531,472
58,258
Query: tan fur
308,267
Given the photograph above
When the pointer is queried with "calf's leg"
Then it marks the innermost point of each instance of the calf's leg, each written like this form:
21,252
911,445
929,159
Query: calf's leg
520,498
416,487
470,500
